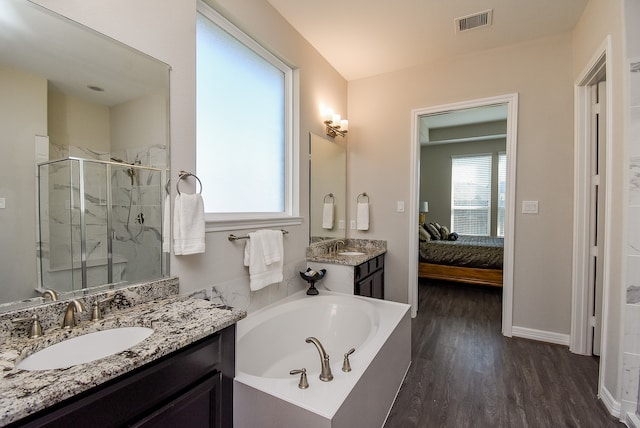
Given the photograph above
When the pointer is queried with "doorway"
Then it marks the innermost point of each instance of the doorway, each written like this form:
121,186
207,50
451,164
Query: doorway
511,103
592,222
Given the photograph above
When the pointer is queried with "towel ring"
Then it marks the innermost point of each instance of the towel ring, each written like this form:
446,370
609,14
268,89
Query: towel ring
364,195
183,175
330,196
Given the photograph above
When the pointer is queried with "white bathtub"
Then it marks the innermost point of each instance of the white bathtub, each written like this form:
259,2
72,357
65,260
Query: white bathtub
271,342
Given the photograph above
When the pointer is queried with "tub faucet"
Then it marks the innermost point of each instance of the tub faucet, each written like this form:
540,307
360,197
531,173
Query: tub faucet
69,319
325,372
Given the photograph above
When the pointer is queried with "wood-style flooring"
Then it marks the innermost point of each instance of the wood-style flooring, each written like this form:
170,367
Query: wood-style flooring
464,373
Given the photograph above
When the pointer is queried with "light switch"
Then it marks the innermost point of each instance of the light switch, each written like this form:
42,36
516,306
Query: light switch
400,206
529,207
3,203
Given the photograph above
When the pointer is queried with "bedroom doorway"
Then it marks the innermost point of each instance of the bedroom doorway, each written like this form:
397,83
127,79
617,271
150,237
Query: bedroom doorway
488,111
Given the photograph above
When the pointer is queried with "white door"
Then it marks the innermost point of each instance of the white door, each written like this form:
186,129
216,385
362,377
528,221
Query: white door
598,181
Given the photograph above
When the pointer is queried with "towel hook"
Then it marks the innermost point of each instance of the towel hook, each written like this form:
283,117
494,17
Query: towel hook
330,196
364,195
183,175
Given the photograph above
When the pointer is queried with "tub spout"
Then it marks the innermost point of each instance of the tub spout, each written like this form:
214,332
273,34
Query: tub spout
325,372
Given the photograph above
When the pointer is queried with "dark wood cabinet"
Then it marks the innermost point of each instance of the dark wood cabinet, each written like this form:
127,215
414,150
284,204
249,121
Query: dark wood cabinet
369,278
191,387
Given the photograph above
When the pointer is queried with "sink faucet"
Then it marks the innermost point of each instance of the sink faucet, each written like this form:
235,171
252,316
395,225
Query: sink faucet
325,372
50,293
334,246
69,319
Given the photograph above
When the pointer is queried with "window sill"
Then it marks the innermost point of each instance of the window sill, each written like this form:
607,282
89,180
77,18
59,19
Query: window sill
239,222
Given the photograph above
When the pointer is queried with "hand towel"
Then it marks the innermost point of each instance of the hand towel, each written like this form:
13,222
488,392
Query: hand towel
362,216
262,273
327,215
188,224
166,225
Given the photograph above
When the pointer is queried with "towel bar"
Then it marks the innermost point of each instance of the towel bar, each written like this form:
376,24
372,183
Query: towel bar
233,237
183,175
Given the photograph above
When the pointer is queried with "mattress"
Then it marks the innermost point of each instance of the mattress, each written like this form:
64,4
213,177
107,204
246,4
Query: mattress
485,252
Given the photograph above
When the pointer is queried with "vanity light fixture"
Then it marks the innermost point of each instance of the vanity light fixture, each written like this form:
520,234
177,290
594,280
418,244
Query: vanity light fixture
335,125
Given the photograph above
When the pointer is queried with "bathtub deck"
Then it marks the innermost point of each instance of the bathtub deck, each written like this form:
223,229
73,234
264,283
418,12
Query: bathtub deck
466,374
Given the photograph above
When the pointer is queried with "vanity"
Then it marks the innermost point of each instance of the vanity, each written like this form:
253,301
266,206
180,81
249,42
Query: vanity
355,267
182,374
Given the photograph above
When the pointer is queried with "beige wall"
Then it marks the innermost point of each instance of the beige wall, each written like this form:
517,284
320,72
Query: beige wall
23,115
77,123
379,152
435,177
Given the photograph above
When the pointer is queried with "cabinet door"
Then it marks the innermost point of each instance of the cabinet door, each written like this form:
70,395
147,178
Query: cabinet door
377,284
196,408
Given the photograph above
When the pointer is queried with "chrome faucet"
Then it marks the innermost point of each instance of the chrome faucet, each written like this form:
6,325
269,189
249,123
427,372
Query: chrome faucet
325,372
69,319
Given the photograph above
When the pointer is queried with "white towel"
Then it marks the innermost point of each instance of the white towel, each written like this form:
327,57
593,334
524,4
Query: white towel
166,225
362,216
264,254
327,215
188,224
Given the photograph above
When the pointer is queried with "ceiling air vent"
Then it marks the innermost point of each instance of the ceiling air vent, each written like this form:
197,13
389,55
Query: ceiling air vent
471,22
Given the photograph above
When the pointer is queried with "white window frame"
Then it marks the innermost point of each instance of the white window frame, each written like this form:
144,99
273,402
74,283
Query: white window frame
489,207
291,214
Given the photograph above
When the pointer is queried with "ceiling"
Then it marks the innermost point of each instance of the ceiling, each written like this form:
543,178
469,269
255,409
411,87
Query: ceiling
363,38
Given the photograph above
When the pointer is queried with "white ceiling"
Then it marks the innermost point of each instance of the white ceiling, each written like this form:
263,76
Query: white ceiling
363,38
71,57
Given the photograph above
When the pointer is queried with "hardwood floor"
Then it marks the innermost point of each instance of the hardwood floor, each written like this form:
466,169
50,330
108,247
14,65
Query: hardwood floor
464,373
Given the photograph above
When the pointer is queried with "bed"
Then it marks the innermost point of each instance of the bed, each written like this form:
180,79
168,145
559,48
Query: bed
469,259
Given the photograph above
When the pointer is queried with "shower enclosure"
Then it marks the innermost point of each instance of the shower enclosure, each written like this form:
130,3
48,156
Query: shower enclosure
100,223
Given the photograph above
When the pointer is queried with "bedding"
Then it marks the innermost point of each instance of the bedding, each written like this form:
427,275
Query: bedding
469,259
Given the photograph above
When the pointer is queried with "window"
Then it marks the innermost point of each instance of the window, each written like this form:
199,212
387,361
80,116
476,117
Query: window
244,138
471,194
502,191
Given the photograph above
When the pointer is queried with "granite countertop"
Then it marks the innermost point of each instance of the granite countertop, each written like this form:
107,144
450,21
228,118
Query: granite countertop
177,322
370,249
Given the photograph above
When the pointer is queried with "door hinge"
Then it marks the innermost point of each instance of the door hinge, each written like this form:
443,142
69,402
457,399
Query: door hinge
596,108
593,251
595,180
592,321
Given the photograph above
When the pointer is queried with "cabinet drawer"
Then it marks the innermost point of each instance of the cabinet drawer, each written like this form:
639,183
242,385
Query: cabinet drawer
367,268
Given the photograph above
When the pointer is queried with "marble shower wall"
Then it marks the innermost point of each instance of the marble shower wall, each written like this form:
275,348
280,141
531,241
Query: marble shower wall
631,356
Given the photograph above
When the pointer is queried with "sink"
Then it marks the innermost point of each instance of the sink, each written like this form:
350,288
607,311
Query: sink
86,348
351,253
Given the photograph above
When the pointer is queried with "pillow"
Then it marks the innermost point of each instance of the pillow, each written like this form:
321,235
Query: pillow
453,236
444,232
424,235
435,234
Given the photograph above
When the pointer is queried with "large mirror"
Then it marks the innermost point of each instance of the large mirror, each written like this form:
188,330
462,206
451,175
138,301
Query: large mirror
328,182
84,122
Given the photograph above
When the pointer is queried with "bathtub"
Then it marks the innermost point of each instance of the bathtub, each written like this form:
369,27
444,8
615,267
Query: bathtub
271,342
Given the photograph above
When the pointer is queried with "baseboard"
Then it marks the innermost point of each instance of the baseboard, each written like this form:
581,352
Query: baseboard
632,420
613,406
543,336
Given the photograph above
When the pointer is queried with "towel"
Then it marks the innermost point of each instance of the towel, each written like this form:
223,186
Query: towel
188,224
327,215
362,216
166,226
264,254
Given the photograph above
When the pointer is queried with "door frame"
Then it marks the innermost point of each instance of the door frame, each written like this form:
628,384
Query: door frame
580,314
511,100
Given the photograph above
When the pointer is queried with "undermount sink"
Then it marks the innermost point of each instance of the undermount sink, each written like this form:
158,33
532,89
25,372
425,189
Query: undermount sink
351,253
86,348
